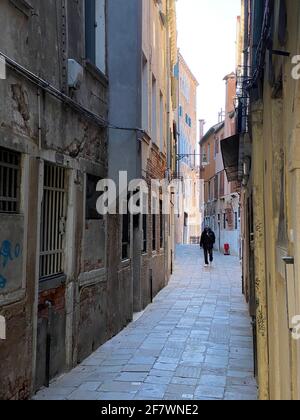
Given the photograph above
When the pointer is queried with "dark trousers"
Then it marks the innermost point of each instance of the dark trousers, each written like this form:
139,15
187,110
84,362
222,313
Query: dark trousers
208,254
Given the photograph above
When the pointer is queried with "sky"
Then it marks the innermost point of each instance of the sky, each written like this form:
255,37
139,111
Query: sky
207,40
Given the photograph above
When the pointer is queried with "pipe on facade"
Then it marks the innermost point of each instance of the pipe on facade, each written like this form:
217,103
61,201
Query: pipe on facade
50,89
49,305
39,117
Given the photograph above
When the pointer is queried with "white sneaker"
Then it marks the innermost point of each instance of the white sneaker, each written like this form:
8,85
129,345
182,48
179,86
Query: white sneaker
206,265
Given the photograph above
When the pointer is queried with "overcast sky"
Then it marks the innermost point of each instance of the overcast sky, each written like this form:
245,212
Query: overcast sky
207,39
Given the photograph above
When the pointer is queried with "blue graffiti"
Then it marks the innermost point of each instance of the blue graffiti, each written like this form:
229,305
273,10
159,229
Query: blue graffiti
17,250
8,253
3,282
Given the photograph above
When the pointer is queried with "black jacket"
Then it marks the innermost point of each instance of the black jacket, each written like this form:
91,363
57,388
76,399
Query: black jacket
208,239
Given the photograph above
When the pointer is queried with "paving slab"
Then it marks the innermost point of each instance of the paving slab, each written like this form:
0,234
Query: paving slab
193,343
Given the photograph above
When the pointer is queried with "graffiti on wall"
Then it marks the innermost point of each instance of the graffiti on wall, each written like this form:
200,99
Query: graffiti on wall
9,253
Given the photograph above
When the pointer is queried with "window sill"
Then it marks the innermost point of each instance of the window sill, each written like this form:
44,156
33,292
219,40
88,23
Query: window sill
125,264
23,6
147,137
52,283
93,277
96,73
12,298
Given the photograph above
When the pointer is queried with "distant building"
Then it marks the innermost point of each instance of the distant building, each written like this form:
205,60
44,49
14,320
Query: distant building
221,197
188,223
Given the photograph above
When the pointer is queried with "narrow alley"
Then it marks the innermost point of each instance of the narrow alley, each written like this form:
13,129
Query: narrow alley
193,342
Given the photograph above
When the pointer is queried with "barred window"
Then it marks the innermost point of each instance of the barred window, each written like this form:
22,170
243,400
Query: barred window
161,225
9,181
53,221
125,236
154,246
145,234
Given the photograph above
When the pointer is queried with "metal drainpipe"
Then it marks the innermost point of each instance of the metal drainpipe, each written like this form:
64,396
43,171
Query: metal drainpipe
49,305
40,119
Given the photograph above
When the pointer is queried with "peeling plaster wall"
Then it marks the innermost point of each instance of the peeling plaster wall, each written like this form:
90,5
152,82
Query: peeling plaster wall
79,308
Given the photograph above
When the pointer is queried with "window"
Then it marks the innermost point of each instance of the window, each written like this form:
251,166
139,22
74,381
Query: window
216,147
216,186
95,38
236,221
154,232
9,181
125,236
222,184
145,95
180,111
154,111
92,196
161,111
53,221
145,234
224,221
208,153
161,226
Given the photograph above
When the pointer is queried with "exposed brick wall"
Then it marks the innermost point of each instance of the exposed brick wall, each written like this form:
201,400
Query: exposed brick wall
57,299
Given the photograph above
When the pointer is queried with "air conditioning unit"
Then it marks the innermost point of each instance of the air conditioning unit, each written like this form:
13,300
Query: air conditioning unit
75,74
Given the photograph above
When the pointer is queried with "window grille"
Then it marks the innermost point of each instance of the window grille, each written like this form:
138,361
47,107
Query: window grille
125,236
154,232
53,221
145,234
9,181
161,226
92,196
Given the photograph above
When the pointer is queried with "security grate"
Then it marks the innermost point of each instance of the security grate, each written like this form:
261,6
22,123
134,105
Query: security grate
53,221
9,181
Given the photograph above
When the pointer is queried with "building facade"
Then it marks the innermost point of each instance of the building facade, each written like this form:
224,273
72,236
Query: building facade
221,196
142,98
268,165
188,221
70,278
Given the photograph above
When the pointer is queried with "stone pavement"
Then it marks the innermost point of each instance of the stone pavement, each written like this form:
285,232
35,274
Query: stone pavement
193,343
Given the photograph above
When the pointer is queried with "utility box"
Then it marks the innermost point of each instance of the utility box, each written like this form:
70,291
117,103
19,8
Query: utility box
75,74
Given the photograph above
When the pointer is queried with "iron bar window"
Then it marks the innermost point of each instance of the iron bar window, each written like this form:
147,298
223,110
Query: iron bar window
161,226
154,232
53,221
9,181
145,236
125,236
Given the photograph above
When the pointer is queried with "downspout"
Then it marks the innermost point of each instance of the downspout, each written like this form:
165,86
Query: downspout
39,118
168,84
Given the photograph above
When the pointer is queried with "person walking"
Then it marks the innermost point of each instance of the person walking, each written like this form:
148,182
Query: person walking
208,239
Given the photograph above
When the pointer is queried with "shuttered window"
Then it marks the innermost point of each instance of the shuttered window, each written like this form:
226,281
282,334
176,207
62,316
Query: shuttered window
95,33
90,30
